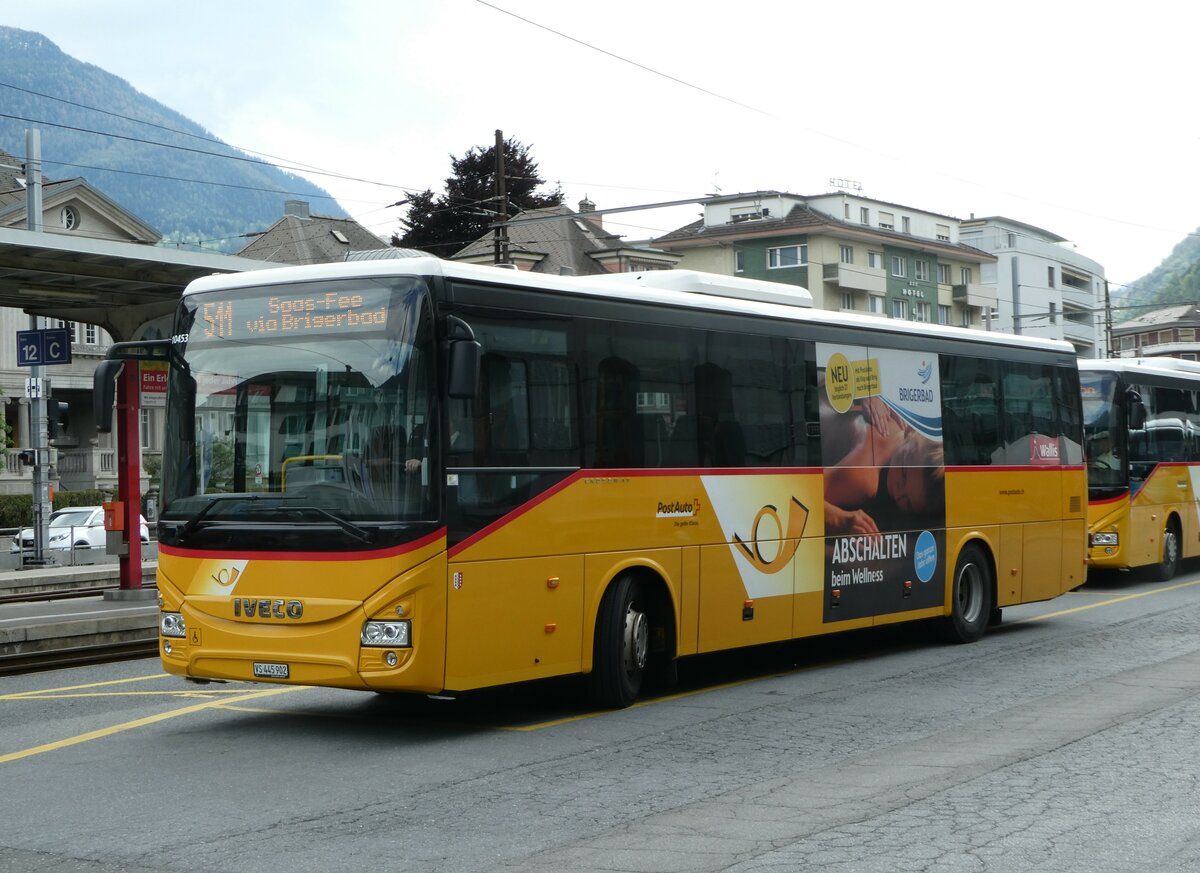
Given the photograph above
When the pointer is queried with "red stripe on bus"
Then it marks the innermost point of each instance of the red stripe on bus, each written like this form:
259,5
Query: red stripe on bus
505,520
369,555
1122,496
1033,468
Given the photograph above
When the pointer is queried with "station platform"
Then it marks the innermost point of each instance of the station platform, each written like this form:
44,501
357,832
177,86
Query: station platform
58,625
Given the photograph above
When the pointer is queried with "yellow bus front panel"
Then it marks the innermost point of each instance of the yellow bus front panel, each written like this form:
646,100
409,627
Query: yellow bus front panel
300,619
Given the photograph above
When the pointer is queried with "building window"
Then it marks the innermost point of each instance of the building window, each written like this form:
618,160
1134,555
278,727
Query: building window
1188,356
739,261
887,221
899,310
864,215
1011,240
1053,312
846,211
847,254
943,232
964,274
1165,336
1186,334
1050,277
966,318
738,214
90,334
149,432
921,311
943,314
787,256
899,266
905,224
921,270
1127,342
875,304
847,300
943,274
875,260
69,216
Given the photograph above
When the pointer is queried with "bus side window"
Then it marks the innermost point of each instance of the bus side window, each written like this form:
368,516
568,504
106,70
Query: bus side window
618,427
970,411
722,443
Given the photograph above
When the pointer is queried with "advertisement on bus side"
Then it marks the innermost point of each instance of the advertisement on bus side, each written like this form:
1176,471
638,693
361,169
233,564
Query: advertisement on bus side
885,495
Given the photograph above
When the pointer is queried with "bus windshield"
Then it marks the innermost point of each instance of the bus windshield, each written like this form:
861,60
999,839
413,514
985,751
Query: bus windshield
303,407
1104,434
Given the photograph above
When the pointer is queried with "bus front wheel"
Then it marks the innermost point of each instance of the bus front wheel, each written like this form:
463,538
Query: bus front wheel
621,646
1169,565
970,597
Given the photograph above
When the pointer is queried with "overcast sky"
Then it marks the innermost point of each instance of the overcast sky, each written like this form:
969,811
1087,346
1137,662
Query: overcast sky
1076,117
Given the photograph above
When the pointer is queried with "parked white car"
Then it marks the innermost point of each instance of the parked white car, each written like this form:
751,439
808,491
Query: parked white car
80,527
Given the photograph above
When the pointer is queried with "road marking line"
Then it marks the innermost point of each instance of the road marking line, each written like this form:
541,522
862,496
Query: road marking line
141,722
27,694
1109,602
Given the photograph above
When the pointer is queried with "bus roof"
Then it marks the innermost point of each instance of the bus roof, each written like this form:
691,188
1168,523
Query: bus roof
707,291
1133,367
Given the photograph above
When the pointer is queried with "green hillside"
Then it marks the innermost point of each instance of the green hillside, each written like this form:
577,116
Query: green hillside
188,186
1175,280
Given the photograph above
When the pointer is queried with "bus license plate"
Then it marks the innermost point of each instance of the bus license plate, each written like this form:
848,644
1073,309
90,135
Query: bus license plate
271,671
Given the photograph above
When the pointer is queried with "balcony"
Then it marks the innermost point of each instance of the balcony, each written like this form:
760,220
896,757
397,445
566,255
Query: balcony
1079,332
852,277
974,294
80,469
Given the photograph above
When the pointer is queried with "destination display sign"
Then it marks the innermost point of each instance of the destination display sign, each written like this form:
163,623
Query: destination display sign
290,314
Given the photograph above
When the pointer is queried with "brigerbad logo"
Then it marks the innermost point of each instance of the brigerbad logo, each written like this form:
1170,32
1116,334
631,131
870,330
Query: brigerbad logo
678,509
925,371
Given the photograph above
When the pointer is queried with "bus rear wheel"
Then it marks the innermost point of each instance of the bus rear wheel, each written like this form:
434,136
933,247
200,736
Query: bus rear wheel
621,646
1166,569
970,597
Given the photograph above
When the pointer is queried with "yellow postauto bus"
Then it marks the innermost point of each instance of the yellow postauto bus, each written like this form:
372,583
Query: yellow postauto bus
494,477
1142,431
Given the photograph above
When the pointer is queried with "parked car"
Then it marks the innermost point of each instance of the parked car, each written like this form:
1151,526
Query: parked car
80,527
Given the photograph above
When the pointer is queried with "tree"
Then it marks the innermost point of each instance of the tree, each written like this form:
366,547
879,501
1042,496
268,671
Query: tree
444,223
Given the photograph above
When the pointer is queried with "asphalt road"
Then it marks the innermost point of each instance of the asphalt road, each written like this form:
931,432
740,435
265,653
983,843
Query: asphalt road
1066,740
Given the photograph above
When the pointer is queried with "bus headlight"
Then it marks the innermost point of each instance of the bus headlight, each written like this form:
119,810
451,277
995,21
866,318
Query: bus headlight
170,624
387,633
1108,538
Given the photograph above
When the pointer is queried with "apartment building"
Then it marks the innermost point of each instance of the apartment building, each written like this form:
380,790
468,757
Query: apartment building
1171,331
851,252
1044,287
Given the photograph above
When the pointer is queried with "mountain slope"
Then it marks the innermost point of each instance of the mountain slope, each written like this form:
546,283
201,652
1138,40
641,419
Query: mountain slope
1175,280
162,167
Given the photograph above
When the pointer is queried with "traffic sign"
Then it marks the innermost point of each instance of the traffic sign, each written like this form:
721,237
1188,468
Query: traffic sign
37,348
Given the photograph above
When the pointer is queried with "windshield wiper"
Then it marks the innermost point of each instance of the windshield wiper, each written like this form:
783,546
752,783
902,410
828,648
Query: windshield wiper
359,533
194,522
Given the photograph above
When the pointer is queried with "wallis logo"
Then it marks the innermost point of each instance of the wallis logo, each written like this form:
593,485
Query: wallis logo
786,538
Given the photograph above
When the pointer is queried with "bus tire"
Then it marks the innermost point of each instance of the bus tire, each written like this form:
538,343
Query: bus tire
970,597
1166,569
621,645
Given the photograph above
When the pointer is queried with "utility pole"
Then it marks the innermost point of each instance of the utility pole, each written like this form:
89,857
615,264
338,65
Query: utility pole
500,235
1108,349
37,400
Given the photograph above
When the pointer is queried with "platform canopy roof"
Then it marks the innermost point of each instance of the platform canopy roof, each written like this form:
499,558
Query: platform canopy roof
117,285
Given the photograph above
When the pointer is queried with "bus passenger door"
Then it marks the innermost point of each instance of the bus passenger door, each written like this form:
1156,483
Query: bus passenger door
513,620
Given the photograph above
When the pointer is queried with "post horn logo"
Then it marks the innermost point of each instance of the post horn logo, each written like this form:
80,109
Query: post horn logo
787,538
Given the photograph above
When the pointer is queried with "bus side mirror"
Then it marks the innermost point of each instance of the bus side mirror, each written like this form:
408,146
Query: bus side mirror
104,392
1137,411
104,386
463,382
